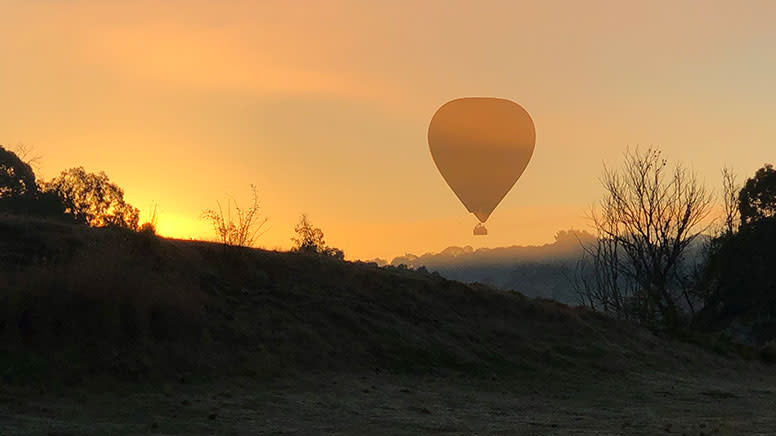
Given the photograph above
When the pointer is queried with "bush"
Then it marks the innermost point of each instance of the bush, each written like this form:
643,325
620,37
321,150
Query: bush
235,226
309,239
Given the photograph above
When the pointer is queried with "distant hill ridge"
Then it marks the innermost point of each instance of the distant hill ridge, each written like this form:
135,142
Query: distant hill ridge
567,242
536,271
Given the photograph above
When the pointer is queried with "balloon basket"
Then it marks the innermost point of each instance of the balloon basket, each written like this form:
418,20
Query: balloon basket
480,230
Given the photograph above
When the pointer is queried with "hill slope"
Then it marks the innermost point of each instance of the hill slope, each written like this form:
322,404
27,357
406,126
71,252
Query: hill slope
79,301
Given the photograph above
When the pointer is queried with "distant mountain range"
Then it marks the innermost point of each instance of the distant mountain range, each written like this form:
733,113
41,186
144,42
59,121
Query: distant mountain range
535,271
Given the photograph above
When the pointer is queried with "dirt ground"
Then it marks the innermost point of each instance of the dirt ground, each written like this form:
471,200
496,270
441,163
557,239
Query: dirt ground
721,402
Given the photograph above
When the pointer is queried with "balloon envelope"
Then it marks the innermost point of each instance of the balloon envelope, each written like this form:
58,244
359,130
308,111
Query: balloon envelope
481,146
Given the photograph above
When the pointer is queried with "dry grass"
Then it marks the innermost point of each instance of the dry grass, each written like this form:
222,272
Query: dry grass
292,343
89,298
723,401
134,304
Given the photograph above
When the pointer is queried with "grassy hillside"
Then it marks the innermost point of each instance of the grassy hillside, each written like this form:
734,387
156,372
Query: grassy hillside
77,301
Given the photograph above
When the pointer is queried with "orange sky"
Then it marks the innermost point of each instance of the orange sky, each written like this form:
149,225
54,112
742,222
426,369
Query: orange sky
325,105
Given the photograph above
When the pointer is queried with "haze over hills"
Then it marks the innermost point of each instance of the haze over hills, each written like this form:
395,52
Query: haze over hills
535,271
541,271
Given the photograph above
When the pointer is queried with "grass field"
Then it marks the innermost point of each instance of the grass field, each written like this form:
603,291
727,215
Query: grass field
730,401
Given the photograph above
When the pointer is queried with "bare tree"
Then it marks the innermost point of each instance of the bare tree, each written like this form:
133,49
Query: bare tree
599,282
27,154
648,217
730,190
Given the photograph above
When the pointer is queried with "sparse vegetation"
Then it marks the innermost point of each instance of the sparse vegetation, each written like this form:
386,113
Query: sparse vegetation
649,216
149,226
236,226
309,239
730,192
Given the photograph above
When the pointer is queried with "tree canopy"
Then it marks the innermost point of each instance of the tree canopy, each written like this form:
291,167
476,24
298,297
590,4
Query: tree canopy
757,199
16,177
93,199
739,280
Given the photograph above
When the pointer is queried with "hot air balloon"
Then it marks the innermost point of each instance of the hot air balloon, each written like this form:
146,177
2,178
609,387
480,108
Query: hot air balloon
481,146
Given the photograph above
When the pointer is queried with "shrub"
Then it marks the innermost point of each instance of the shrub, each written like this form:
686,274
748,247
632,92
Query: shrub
236,226
309,239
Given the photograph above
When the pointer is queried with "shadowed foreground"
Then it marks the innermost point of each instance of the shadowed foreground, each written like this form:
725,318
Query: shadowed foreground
110,332
722,403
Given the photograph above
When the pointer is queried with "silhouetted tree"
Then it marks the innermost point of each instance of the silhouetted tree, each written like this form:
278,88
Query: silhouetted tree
236,226
309,239
757,199
19,192
93,199
600,282
16,177
27,155
648,217
739,281
741,284
730,203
